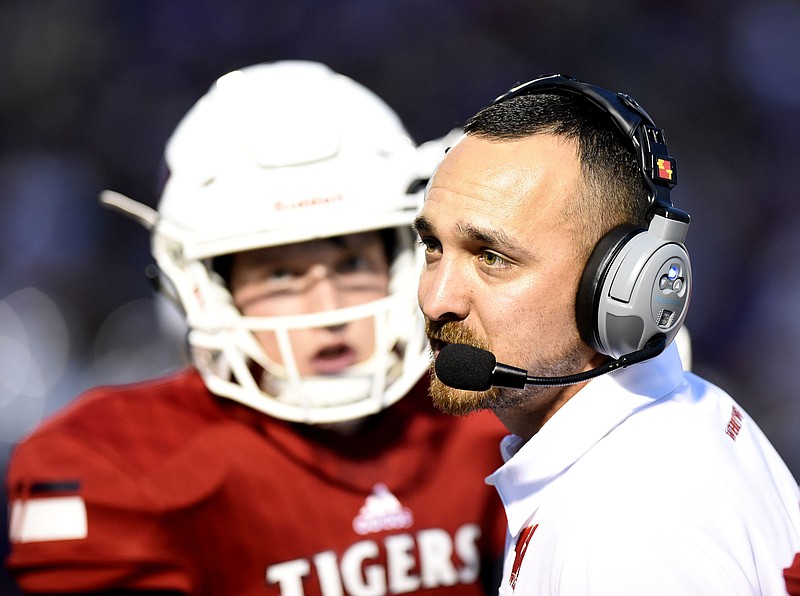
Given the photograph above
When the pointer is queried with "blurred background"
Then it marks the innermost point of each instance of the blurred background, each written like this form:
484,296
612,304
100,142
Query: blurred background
90,91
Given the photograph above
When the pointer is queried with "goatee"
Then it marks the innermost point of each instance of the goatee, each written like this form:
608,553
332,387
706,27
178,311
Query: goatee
457,401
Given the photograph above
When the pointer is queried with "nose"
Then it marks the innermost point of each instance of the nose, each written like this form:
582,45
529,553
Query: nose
322,292
443,292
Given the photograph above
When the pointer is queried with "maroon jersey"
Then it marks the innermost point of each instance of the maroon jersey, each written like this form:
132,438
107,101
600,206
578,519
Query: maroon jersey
162,485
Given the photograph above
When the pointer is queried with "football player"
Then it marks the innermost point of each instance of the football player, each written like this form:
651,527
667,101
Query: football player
300,454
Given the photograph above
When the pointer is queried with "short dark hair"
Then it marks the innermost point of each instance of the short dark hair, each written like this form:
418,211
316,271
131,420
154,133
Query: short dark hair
614,189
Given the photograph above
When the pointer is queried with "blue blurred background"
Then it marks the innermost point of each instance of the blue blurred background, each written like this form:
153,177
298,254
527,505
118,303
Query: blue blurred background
90,91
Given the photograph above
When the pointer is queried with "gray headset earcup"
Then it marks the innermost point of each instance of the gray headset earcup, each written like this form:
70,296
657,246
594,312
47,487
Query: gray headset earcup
587,302
645,292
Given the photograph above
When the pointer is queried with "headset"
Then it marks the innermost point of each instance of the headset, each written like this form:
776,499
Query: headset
636,284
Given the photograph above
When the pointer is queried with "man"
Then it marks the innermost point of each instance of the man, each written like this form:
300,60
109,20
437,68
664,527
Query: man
301,456
553,246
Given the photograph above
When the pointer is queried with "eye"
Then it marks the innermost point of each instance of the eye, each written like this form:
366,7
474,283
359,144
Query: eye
354,264
279,275
429,244
493,260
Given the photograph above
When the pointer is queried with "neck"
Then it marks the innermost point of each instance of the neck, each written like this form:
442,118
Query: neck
527,417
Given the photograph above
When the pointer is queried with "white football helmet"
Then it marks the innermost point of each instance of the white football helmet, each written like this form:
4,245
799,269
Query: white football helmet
276,154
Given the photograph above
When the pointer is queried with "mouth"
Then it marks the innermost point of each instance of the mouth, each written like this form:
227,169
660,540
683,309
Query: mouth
333,359
436,346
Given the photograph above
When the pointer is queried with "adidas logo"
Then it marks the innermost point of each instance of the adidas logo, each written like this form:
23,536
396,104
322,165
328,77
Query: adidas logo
382,511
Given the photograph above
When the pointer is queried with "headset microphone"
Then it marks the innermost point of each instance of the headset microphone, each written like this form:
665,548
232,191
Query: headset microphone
466,367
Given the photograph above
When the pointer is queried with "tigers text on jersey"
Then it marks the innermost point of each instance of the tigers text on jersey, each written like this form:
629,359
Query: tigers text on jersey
648,481
161,485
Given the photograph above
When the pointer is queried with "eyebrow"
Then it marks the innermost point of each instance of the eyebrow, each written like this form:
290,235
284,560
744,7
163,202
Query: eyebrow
493,238
421,224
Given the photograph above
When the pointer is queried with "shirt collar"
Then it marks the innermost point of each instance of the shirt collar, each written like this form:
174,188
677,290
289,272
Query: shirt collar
580,423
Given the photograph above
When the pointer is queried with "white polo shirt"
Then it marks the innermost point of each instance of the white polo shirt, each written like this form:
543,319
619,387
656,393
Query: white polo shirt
650,480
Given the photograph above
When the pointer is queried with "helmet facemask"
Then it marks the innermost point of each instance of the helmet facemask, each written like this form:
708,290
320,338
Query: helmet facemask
234,363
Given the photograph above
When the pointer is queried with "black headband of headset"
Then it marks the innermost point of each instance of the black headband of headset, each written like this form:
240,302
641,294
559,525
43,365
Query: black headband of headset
658,168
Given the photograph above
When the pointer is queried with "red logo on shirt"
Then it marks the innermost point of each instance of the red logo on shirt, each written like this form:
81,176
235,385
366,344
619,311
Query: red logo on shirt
735,424
519,552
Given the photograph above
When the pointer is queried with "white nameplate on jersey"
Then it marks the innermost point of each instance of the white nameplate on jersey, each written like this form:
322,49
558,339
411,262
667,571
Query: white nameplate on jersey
43,520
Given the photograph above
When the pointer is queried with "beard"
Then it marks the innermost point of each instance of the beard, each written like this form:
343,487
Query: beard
460,402
447,399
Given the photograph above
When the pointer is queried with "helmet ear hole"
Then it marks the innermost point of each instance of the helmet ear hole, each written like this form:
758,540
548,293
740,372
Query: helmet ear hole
587,302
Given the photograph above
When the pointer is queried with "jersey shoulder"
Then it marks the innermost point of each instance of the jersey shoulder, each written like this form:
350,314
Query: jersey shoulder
119,443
